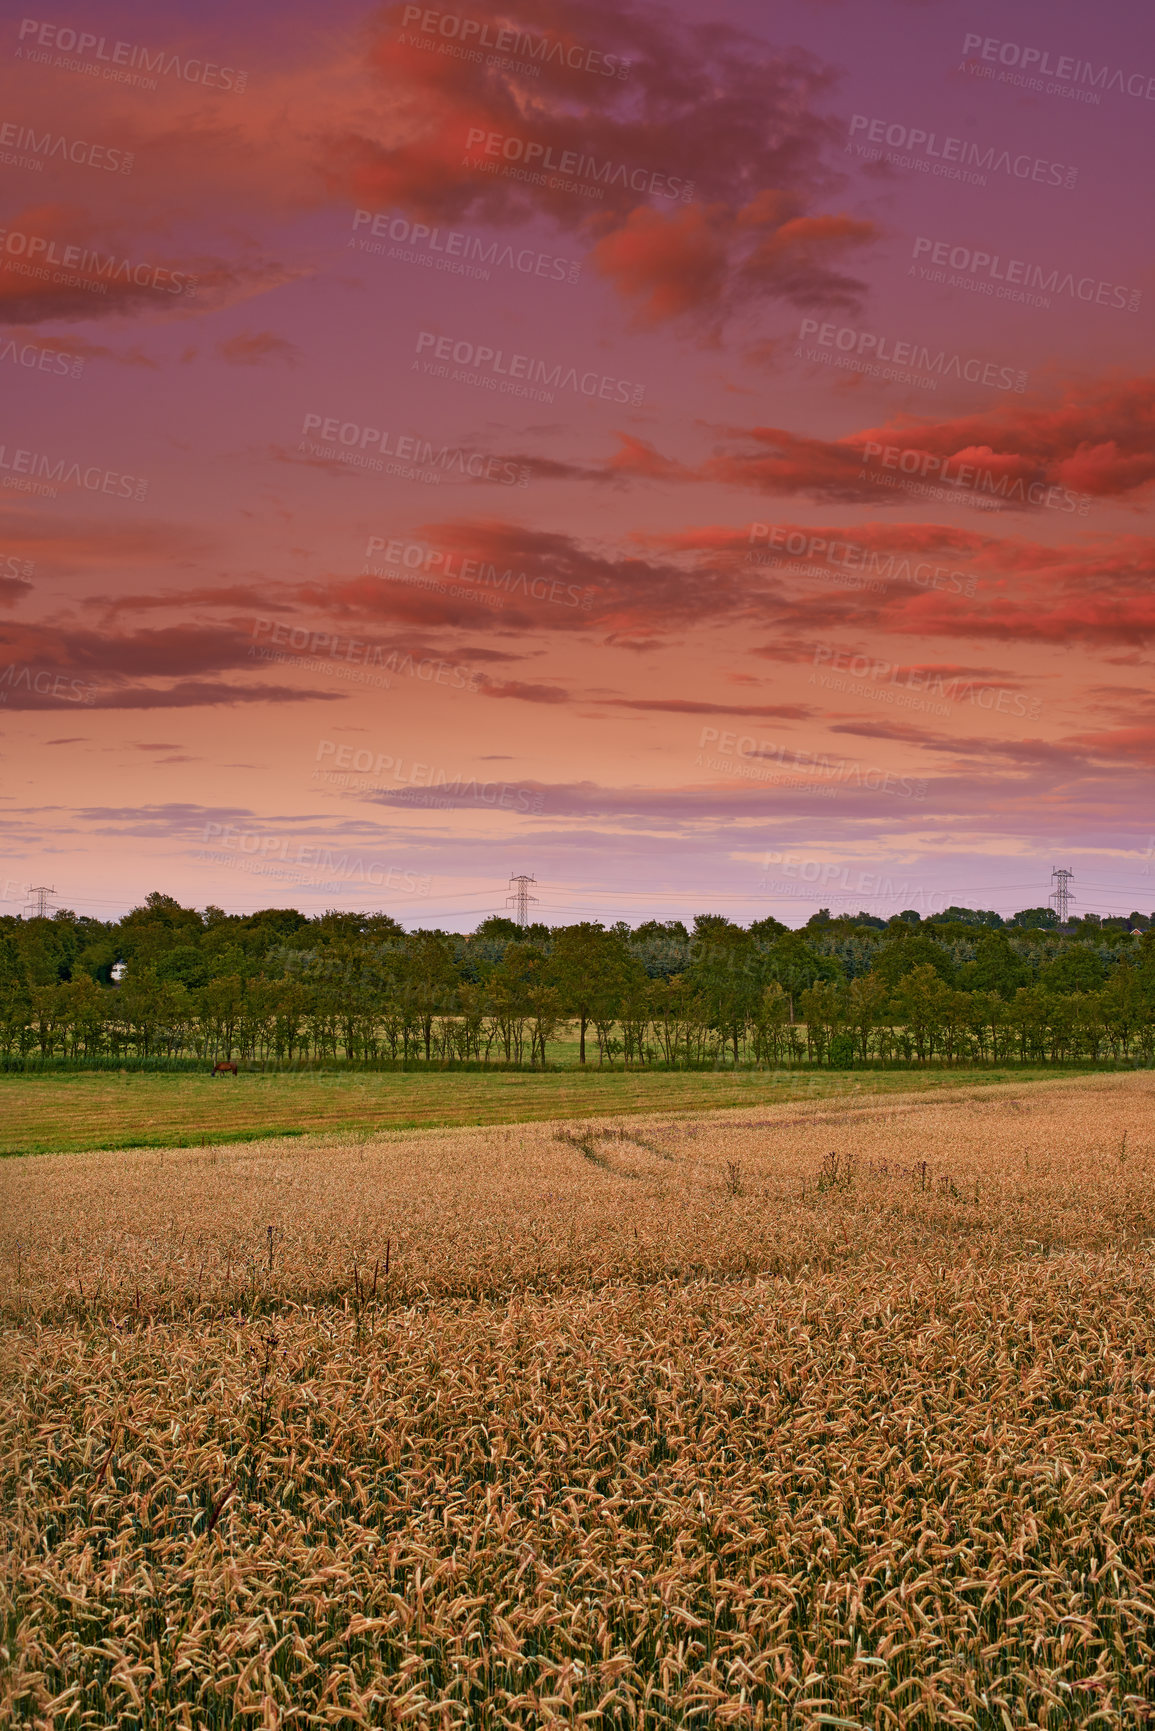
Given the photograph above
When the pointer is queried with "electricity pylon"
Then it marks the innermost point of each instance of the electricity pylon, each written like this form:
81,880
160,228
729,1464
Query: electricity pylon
1062,895
521,898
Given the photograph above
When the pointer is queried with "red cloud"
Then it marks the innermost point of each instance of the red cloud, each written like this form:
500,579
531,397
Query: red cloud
525,693
685,706
672,264
254,348
1128,744
695,175
12,590
1098,440
59,264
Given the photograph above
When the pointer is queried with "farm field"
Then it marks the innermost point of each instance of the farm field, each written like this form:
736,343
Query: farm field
65,1111
839,1412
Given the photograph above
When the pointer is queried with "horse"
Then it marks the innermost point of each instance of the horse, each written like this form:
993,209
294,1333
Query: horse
223,1069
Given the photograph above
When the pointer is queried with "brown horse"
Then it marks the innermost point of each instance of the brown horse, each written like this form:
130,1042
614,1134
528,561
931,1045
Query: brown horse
223,1069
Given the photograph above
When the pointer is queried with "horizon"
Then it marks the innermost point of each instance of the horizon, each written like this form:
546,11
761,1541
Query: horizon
979,919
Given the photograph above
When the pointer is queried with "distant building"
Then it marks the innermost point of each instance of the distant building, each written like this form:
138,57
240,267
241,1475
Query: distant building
118,971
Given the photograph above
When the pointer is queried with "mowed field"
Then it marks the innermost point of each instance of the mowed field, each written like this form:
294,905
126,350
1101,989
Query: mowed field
98,1109
826,1413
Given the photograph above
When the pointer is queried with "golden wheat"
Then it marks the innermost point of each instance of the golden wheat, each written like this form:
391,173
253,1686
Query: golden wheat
827,1415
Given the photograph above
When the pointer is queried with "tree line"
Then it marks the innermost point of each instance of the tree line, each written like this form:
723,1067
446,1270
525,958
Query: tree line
170,983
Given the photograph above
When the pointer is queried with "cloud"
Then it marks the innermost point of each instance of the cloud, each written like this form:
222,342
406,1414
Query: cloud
1096,440
1134,744
707,161
106,670
256,348
85,543
206,694
687,706
184,694
525,693
133,357
60,265
264,601
928,580
174,651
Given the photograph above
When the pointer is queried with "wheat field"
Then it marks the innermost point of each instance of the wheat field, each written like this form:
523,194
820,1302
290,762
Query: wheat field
820,1414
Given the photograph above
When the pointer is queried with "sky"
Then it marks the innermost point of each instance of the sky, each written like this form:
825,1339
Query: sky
697,457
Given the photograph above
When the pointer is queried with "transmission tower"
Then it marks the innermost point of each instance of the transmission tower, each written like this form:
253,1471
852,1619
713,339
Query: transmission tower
521,898
37,909
1062,895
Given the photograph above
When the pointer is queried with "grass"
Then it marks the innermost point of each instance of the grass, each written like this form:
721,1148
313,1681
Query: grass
65,1112
837,1413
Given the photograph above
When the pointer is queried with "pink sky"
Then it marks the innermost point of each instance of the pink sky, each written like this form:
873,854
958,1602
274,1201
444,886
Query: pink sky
700,461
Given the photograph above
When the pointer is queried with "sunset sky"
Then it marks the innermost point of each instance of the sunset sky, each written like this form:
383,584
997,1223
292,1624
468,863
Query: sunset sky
701,462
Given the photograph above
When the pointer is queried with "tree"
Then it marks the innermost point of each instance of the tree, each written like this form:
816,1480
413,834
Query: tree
590,968
160,924
725,975
1036,919
186,963
219,1006
996,967
430,979
865,1008
770,1022
1076,968
795,965
922,1001
1125,1007
908,950
823,1013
